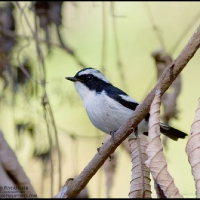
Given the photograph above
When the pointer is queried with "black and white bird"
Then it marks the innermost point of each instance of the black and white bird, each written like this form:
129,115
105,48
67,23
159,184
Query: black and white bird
108,107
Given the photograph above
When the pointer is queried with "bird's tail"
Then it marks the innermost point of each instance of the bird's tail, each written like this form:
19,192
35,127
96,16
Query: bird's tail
172,133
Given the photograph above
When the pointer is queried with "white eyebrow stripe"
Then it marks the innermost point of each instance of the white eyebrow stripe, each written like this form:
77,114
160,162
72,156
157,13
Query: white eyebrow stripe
100,76
127,98
95,73
87,71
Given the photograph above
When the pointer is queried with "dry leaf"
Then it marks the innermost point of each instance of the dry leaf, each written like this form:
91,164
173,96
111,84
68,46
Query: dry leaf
140,179
193,149
159,192
156,160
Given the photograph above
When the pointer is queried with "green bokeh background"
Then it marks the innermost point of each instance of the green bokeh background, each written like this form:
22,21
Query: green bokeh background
82,29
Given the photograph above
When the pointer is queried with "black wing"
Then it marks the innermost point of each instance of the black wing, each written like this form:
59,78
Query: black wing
114,92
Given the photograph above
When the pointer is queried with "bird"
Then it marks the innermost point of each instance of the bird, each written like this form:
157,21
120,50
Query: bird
108,107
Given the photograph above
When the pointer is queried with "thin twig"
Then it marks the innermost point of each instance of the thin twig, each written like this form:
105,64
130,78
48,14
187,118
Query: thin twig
119,63
112,11
155,27
67,49
12,34
184,33
158,35
57,144
51,145
22,24
46,100
103,52
26,18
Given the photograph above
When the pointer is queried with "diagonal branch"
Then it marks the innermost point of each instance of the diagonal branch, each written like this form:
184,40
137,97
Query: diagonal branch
166,79
12,173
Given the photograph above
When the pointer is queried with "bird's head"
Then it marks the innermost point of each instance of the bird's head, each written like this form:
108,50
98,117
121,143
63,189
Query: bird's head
89,80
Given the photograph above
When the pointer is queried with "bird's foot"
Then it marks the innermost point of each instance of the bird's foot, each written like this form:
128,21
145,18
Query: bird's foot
98,149
110,158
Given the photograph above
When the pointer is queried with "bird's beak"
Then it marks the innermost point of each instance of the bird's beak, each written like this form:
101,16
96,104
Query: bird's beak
74,79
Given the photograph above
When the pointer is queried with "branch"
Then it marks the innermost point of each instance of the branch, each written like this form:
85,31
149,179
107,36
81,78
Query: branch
12,174
166,79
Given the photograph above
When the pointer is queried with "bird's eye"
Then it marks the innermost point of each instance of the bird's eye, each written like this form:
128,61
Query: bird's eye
89,77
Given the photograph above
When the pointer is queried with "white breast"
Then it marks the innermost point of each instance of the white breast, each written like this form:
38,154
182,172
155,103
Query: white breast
105,113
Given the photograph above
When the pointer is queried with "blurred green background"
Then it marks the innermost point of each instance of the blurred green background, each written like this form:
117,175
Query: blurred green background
137,39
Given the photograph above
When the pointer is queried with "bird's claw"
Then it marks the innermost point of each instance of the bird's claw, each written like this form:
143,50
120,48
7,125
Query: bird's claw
98,149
